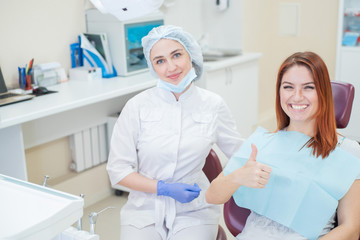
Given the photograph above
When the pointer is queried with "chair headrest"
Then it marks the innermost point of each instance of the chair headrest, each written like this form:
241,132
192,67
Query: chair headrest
343,95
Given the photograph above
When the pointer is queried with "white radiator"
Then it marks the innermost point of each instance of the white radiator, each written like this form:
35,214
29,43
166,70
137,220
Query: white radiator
89,148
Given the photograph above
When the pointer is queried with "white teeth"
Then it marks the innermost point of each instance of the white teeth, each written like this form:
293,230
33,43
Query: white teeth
298,107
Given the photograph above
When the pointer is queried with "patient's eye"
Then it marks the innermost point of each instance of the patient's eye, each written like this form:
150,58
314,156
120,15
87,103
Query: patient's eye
310,87
287,86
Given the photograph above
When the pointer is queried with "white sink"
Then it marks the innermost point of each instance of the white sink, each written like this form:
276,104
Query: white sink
33,212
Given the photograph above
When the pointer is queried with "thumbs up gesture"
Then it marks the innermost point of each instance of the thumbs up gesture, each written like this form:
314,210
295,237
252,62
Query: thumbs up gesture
253,174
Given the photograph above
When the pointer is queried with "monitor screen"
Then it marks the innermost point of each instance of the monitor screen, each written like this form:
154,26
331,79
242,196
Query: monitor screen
134,32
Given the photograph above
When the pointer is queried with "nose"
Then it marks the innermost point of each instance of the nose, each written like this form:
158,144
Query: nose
171,66
298,94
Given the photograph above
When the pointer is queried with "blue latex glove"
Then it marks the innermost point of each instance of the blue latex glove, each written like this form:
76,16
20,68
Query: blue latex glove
181,192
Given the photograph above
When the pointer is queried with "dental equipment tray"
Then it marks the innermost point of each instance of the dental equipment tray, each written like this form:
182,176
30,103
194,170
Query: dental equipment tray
33,212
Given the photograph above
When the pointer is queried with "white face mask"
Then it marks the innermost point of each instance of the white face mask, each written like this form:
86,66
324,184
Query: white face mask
183,84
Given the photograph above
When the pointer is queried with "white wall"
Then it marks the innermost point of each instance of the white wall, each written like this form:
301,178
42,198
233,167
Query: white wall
317,32
224,28
187,14
39,29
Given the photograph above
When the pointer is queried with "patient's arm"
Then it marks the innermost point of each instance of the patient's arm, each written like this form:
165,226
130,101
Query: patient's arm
253,174
348,216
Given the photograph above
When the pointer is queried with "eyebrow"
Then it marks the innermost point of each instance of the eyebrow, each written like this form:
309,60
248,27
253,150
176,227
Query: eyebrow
308,83
176,50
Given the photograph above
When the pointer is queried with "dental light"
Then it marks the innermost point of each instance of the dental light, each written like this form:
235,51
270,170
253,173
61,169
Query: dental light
127,9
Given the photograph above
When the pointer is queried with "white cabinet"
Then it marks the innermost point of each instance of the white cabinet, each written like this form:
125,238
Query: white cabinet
348,59
239,91
235,79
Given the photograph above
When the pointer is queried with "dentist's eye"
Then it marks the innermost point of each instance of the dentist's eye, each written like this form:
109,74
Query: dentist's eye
176,55
160,61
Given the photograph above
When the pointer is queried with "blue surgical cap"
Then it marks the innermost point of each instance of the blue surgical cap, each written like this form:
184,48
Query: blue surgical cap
177,34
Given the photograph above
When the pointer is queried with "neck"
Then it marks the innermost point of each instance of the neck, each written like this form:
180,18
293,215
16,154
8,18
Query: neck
305,128
177,95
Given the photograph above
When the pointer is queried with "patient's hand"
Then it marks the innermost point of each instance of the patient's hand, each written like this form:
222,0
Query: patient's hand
253,174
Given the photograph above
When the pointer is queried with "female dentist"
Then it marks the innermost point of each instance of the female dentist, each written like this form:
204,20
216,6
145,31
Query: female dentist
161,140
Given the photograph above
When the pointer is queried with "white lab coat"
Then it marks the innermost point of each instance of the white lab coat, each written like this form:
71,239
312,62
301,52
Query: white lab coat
169,140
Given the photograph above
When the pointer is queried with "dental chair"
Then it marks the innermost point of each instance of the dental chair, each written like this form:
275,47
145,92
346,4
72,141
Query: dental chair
212,169
343,95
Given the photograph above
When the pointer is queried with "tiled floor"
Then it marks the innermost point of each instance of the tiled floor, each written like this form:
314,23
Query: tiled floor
108,222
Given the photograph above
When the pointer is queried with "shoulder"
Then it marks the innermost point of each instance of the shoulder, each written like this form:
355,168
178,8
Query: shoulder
143,97
209,97
207,93
349,146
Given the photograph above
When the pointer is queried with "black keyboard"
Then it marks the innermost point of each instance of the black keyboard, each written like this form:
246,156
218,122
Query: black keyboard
7,95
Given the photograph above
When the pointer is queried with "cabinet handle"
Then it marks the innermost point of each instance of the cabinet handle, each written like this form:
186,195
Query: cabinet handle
228,76
231,76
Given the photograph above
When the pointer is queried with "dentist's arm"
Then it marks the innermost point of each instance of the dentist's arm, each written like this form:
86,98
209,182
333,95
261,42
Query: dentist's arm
138,182
181,192
253,174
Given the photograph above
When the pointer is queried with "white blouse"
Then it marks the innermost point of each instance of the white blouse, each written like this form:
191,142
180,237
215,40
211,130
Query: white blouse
169,140
260,227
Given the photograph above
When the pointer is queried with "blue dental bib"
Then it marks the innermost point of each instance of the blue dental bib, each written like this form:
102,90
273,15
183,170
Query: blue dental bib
303,190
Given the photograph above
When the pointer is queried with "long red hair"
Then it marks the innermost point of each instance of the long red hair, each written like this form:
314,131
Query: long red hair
325,138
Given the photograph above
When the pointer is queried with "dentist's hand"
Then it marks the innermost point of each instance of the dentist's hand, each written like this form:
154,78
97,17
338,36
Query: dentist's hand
181,192
254,174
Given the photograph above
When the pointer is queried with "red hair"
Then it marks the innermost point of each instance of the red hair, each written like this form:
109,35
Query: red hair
325,137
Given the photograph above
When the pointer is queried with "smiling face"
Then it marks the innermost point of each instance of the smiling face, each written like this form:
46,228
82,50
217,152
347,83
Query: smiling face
299,99
170,60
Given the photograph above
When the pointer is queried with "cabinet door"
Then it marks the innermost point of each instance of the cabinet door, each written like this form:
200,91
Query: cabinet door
244,97
238,86
217,82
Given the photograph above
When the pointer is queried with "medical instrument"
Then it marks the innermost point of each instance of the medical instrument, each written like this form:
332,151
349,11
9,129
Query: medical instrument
93,218
79,223
45,181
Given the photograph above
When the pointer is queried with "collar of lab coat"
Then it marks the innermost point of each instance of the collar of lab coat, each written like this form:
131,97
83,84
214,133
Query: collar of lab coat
169,96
